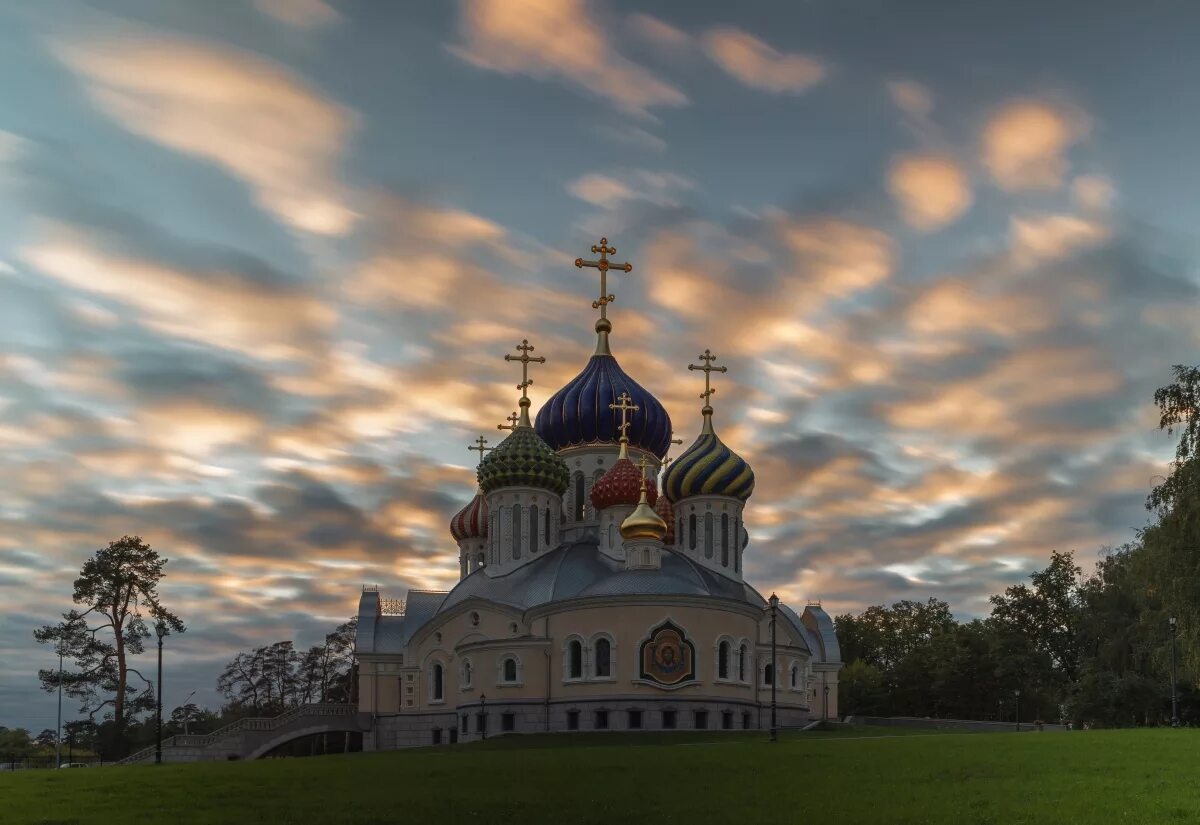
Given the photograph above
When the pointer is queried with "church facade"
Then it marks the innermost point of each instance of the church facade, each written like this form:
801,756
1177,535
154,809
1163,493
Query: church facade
601,585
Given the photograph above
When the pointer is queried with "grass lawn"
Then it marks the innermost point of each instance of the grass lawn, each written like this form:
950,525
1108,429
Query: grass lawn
1137,776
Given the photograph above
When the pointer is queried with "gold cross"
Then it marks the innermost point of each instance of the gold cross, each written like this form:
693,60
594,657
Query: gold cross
525,358
481,447
512,422
709,369
604,250
666,460
625,407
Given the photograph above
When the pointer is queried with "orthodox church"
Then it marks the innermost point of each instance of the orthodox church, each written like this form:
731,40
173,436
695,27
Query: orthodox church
601,584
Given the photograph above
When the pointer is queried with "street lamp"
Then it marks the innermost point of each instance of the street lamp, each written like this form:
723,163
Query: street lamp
1017,694
1174,695
161,630
483,715
774,603
58,730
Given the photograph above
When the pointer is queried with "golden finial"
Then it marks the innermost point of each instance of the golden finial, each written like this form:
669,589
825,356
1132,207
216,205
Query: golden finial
708,369
643,522
512,422
625,407
525,358
603,325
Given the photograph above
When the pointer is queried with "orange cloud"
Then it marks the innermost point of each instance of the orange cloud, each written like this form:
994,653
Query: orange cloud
558,39
931,190
303,14
911,97
1025,144
759,66
248,116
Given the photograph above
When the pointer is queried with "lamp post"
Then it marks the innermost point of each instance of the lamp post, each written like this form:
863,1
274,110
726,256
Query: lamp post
1174,695
58,728
161,630
774,604
483,715
825,708
1017,694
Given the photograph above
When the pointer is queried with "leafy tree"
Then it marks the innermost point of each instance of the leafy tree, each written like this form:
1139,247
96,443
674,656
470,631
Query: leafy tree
118,589
1179,411
46,739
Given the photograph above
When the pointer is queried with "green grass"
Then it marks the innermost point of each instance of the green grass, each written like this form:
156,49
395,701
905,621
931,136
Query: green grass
1143,776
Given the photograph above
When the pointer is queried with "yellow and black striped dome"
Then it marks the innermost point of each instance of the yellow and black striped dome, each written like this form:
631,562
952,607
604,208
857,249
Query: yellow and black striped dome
708,468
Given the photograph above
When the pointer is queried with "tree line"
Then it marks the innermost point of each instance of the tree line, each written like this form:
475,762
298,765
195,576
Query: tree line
1088,647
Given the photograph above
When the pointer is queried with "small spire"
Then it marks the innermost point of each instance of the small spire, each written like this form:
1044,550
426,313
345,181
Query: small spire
707,357
624,406
525,358
603,325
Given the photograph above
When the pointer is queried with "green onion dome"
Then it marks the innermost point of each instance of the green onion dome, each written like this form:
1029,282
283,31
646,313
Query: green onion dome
524,460
708,468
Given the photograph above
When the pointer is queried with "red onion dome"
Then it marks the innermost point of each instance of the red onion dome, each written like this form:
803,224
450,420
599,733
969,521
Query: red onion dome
667,513
471,522
622,484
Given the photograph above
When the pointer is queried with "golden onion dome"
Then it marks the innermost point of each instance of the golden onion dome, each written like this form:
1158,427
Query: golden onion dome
643,522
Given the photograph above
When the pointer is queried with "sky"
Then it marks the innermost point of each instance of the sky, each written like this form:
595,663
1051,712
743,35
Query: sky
260,261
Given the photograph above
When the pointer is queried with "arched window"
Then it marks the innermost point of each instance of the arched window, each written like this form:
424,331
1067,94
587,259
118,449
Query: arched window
646,557
679,532
708,535
603,652
724,539
723,661
533,529
768,673
612,536
692,531
546,528
510,669
436,687
575,660
516,532
795,676
580,504
742,663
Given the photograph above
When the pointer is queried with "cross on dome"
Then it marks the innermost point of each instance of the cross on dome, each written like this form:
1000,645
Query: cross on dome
707,357
625,408
480,447
603,325
526,359
512,422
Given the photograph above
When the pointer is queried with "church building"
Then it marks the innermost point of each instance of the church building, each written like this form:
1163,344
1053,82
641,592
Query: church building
601,584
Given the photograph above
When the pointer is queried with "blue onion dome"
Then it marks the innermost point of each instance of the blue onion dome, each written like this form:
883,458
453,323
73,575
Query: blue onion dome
579,413
708,468
524,460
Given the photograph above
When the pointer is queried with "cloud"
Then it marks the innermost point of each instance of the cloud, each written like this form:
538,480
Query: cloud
932,191
759,66
217,304
599,190
250,117
558,39
659,187
1093,193
911,97
1025,144
303,14
661,35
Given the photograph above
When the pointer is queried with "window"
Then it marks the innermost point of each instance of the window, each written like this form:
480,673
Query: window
510,669
572,720
795,676
742,663
580,504
701,719
724,539
481,723
708,535
453,735
679,531
516,532
727,720
768,674
466,721
737,545
437,736
533,529
546,528
508,722
669,720
692,531
723,661
612,536
574,659
603,652
601,720
466,673
436,685
746,721
635,720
